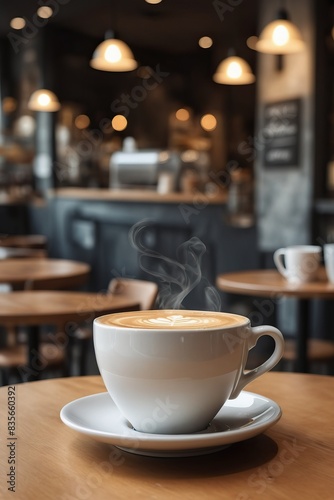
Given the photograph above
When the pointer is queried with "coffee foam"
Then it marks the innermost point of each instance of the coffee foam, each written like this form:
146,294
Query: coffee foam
172,320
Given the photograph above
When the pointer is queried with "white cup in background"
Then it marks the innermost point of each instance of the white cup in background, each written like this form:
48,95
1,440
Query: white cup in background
299,263
329,261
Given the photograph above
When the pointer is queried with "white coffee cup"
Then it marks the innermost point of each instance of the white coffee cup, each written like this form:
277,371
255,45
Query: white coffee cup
171,371
301,262
329,261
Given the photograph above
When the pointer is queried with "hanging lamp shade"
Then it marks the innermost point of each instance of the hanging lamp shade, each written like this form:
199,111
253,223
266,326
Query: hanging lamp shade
234,71
113,55
43,100
280,36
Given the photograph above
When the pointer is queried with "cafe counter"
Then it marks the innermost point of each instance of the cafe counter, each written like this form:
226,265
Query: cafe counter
144,234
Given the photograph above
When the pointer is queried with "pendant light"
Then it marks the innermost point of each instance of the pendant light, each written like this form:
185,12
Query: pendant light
280,36
43,100
233,71
113,55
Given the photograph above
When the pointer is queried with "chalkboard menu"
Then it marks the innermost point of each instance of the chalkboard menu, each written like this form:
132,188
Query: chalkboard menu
281,133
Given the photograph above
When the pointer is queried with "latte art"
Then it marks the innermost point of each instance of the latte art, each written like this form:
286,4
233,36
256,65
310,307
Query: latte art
172,320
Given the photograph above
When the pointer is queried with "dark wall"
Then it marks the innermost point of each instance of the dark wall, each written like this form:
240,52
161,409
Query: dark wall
183,80
99,234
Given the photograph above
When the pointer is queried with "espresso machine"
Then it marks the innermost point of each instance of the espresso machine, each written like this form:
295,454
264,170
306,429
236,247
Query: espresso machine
144,168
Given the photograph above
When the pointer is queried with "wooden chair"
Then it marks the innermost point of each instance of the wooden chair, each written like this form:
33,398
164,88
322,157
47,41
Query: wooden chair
141,291
15,353
319,352
14,356
144,292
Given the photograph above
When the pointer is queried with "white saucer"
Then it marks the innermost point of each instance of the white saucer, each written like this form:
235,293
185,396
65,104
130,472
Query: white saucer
239,419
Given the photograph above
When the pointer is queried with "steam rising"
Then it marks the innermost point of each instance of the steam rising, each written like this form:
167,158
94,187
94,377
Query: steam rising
177,277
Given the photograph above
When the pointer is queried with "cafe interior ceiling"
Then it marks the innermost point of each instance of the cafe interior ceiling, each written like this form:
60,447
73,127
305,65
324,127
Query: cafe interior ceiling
171,27
163,36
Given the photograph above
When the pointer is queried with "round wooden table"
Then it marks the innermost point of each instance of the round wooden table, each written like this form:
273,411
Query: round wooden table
292,459
43,273
67,309
270,284
20,253
24,241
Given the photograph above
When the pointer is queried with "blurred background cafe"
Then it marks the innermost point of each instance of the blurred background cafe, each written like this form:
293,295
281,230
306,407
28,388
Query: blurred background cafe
169,141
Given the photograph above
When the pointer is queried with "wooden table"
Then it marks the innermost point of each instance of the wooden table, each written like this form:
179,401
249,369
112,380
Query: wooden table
66,309
20,253
24,241
270,284
43,273
293,459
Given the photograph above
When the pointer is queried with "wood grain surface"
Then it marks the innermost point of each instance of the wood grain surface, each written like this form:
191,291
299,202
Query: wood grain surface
139,195
57,307
43,273
291,460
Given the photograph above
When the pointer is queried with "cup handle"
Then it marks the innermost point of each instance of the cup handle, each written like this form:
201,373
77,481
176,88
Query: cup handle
254,335
278,259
